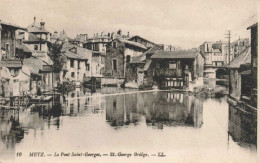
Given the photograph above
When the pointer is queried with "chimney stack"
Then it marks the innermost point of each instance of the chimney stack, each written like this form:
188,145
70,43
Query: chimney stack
42,24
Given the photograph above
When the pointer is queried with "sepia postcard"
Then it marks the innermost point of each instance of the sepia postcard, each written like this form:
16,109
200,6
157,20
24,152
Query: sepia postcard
129,81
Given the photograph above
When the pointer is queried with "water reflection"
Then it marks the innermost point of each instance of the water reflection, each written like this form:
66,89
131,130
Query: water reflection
150,111
159,108
242,126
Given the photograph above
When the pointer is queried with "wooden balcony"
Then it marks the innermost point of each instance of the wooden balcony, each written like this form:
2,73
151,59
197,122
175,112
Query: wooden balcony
168,72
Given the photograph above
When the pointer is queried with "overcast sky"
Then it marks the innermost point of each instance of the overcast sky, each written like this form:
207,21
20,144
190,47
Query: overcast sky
185,23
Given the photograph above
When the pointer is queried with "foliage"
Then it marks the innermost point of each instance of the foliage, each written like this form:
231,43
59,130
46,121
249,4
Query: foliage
206,91
56,56
66,87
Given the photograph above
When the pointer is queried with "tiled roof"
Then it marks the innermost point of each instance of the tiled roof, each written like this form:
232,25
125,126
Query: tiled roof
154,49
141,38
12,25
133,43
80,55
33,38
35,64
175,54
141,58
23,47
243,58
67,46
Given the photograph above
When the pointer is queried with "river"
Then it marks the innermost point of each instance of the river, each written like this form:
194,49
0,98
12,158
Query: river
180,126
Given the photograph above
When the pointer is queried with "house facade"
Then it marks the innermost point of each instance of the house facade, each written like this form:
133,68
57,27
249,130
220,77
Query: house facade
138,72
10,67
118,56
78,64
177,69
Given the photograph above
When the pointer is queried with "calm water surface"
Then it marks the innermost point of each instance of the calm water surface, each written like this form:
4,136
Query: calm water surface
185,128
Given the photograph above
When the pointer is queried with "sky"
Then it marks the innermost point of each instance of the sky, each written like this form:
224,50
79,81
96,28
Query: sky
184,23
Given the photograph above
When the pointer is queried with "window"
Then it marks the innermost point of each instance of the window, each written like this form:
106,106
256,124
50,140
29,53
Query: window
114,45
172,65
87,66
114,64
72,74
78,64
35,47
157,65
128,58
7,46
71,62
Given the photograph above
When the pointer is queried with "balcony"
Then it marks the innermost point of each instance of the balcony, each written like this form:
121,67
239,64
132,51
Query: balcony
168,72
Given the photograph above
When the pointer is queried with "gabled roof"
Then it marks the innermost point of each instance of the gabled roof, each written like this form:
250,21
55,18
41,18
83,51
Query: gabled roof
80,54
136,44
141,38
33,38
11,25
141,58
23,47
254,25
243,58
175,54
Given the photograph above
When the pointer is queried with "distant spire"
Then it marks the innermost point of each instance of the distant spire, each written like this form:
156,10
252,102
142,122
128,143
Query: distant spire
34,20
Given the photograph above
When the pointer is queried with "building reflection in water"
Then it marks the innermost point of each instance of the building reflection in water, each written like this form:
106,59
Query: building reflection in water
159,109
242,126
11,132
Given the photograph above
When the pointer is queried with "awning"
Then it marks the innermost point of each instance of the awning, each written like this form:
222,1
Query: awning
147,64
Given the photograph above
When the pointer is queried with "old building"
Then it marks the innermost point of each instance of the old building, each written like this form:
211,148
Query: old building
236,78
178,69
254,61
214,53
118,56
243,74
172,48
143,41
78,64
10,67
81,39
138,74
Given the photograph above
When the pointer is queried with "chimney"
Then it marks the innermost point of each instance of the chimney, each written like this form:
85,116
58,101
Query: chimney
112,35
108,34
34,20
128,35
42,24
119,32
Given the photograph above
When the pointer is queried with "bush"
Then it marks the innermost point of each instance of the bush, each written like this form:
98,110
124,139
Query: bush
206,91
66,87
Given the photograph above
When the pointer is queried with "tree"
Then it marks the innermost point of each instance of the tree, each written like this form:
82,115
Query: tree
56,56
